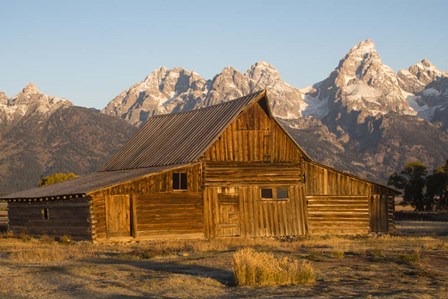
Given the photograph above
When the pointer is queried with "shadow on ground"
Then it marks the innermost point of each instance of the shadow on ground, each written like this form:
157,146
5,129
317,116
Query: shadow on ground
223,276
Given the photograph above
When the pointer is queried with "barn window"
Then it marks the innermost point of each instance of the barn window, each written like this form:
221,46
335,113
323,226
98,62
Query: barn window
266,193
180,181
278,193
282,193
45,214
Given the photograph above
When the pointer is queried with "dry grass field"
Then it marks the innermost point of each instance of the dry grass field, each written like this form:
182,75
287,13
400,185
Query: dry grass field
411,264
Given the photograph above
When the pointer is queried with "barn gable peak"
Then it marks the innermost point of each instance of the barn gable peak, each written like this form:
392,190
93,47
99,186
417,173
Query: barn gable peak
183,137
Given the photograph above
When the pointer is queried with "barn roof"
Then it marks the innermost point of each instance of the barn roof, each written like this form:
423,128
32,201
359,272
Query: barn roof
87,183
179,137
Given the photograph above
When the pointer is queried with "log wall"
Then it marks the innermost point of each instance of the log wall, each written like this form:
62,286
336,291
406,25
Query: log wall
339,203
172,213
65,217
3,216
155,206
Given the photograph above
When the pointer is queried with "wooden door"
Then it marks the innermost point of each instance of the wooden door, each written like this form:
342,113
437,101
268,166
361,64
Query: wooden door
228,213
118,216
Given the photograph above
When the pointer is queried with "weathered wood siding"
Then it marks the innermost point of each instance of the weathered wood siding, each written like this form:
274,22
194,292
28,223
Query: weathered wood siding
247,215
382,209
65,217
247,173
253,153
3,216
338,214
157,211
253,136
342,204
174,213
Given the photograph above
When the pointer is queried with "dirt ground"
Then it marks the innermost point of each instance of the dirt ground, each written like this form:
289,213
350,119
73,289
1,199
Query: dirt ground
411,264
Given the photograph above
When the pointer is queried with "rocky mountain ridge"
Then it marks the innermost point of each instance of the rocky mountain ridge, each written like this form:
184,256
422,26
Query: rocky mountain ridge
41,135
29,100
175,90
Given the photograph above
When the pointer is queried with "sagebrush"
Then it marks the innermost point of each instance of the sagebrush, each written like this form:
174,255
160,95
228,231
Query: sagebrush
264,269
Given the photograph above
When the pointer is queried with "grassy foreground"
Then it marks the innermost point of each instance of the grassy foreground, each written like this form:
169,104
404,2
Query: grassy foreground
413,264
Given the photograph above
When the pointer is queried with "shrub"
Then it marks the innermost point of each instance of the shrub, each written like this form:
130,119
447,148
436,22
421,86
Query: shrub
263,269
338,253
411,258
57,178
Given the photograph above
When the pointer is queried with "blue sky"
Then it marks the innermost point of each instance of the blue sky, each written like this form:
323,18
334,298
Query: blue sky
89,51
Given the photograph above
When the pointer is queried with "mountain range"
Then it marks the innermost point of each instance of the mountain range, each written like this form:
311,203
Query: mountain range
363,118
41,134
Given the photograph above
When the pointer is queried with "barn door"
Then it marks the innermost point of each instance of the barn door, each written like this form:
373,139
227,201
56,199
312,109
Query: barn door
118,216
228,212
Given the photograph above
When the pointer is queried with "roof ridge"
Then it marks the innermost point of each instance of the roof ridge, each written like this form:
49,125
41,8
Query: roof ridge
210,107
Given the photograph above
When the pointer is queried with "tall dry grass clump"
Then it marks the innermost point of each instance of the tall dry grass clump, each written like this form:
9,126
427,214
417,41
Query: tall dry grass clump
45,253
264,269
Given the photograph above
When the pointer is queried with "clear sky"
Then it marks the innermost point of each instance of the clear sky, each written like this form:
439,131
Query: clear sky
90,51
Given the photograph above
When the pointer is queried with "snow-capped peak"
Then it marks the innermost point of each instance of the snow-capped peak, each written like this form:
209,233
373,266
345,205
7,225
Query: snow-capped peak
261,67
29,100
362,51
31,88
366,46
425,63
160,71
361,82
418,76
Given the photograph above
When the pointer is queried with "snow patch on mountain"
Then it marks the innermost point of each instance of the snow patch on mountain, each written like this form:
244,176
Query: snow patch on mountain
29,100
175,90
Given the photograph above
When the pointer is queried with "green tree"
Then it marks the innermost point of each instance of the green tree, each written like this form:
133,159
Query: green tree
412,180
57,178
437,187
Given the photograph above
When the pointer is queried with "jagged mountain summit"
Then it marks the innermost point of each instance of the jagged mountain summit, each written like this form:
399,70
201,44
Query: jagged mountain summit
426,88
162,91
418,76
361,82
174,90
41,134
30,100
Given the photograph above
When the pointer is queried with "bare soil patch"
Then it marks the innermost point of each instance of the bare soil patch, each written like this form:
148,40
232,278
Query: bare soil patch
411,264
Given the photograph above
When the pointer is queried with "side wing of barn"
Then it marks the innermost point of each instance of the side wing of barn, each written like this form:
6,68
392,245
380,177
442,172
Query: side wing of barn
340,203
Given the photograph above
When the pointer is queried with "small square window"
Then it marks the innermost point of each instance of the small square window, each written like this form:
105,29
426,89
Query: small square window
282,193
45,213
180,181
266,193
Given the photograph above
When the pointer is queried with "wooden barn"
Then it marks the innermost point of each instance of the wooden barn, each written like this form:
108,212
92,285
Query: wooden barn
222,171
